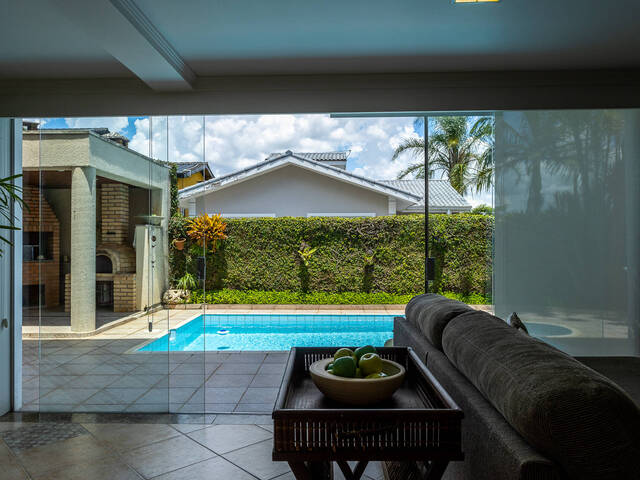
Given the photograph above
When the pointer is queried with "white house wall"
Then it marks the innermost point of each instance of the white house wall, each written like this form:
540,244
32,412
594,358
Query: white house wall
293,191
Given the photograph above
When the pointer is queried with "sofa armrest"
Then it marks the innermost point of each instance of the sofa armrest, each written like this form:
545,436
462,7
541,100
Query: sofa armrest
493,450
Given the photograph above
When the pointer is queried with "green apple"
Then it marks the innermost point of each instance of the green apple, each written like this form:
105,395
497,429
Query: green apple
362,350
359,373
376,375
343,352
370,363
344,367
330,371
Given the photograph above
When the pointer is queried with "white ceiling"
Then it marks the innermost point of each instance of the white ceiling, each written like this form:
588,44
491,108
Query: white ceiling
42,39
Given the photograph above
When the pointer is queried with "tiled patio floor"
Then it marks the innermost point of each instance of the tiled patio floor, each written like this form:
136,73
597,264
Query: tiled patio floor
234,447
105,373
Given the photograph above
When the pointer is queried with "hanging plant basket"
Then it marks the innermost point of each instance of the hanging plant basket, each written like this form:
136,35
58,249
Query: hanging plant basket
178,243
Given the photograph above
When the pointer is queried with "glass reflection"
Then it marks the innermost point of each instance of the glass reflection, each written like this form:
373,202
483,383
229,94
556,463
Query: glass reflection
565,254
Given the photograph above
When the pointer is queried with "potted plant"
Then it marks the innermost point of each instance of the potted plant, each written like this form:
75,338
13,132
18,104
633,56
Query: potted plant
178,243
207,231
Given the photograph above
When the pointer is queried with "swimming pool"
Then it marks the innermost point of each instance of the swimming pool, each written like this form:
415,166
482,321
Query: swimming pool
274,332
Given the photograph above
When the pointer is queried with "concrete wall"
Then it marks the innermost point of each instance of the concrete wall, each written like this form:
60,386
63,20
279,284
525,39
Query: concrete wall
293,191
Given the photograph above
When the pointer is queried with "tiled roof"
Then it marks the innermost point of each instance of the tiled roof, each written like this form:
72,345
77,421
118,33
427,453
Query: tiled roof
186,169
317,156
442,196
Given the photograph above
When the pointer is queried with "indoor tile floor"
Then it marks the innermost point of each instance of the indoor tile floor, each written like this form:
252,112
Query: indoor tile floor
127,447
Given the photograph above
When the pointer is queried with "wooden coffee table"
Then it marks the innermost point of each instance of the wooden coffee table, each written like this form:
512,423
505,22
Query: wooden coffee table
420,423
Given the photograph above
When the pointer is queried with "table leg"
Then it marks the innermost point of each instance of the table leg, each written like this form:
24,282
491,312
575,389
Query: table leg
436,469
356,473
311,470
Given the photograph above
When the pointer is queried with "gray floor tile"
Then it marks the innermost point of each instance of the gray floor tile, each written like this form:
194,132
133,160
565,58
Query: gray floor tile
232,367
226,438
69,396
266,380
246,357
223,395
166,456
256,459
116,396
253,408
13,471
103,469
219,380
260,395
219,407
272,369
277,357
92,381
69,452
243,420
213,468
188,427
136,381
186,380
123,437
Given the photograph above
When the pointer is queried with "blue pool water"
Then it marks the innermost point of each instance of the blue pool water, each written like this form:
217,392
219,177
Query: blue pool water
274,332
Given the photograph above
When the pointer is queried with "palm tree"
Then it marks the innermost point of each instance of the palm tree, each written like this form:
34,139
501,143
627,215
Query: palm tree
463,154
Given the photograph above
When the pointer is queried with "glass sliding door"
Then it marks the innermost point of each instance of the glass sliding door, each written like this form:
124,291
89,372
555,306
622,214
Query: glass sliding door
92,258
567,230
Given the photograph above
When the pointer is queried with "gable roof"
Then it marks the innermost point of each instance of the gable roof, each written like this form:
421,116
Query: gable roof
442,196
317,156
186,169
289,158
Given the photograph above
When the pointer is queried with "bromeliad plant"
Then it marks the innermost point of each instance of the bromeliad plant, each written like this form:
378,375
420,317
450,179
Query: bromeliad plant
8,193
306,252
207,231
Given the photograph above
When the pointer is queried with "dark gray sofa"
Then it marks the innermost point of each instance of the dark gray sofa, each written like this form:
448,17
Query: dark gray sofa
531,411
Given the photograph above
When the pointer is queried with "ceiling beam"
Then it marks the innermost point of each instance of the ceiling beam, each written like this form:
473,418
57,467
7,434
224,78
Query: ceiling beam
124,31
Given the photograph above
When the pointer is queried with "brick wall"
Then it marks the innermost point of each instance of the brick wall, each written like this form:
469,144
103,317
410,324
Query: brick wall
115,213
38,216
124,292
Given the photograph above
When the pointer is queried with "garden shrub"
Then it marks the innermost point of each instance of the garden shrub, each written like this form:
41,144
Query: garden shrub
365,255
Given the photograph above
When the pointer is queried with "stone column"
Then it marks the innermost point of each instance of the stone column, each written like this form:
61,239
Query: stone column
83,249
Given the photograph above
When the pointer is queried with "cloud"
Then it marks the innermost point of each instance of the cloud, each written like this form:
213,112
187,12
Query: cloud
236,142
115,124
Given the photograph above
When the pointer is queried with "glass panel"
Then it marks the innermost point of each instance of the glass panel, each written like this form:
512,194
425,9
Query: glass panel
94,270
566,254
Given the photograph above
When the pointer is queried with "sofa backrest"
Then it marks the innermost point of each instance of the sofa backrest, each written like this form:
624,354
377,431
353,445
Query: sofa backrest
430,313
567,411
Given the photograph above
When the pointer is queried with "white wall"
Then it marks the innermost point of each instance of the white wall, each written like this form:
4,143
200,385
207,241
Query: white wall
293,191
567,238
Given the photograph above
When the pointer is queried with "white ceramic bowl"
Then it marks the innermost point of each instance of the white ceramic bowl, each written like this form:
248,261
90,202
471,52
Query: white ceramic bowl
357,391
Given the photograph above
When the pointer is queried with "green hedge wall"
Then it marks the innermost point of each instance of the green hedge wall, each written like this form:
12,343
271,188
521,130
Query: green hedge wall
380,254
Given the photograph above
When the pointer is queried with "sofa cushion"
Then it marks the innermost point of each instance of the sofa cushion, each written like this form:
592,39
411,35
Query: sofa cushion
430,313
564,409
